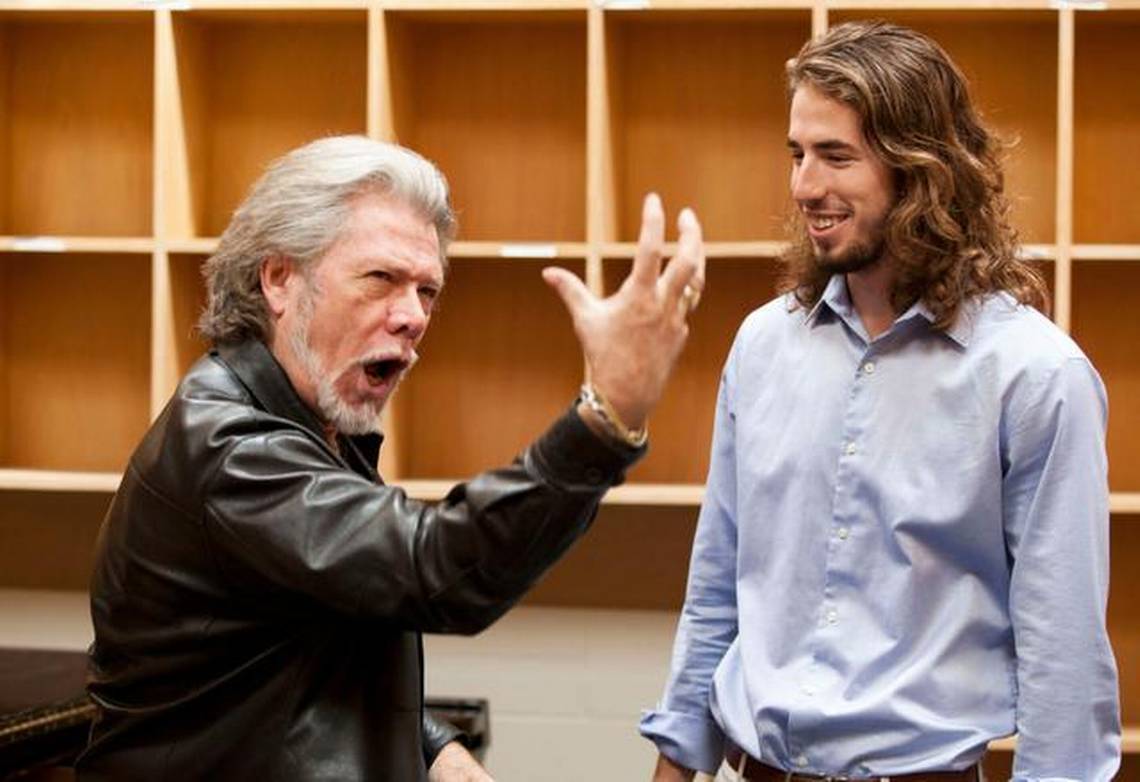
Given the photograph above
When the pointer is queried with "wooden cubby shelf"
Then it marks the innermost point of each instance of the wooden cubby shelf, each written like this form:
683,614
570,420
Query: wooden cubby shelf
74,359
1106,175
59,480
74,244
1102,291
1124,505
677,124
498,363
536,251
1106,252
76,118
192,246
129,131
187,297
516,85
682,422
713,250
244,87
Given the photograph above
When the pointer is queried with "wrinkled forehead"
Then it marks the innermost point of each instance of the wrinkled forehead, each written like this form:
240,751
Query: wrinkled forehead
379,228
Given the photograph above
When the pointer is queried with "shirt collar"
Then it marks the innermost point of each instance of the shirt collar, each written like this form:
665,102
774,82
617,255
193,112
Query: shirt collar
960,330
837,299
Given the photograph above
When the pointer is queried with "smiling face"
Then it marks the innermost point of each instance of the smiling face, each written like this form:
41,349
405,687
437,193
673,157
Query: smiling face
346,331
841,187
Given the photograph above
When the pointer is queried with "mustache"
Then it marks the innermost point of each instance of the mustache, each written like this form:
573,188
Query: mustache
408,359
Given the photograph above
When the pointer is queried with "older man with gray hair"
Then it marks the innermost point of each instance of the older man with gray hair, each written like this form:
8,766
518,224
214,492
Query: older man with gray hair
259,593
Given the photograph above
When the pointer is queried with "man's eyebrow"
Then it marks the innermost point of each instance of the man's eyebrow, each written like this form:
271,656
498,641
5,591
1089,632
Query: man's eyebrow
400,268
828,145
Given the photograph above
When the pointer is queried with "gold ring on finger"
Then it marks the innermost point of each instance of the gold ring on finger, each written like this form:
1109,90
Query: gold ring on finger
691,296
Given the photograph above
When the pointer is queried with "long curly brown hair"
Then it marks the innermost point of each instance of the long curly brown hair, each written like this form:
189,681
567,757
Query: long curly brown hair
949,233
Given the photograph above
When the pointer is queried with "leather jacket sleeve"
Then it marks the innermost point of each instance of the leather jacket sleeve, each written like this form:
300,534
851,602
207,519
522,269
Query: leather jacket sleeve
438,734
291,527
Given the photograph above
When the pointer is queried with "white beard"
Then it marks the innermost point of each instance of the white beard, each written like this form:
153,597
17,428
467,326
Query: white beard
347,419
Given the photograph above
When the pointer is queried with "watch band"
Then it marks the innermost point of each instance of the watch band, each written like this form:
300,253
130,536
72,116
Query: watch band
634,438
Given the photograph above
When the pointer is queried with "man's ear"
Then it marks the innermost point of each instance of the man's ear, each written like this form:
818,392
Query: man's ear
277,273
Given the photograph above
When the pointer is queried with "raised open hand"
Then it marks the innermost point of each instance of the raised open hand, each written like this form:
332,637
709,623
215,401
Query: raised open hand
631,339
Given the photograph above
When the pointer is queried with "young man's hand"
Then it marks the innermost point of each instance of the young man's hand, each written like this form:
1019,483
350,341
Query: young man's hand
668,771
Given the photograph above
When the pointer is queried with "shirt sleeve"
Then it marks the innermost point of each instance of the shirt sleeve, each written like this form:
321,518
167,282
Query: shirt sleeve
1055,508
682,726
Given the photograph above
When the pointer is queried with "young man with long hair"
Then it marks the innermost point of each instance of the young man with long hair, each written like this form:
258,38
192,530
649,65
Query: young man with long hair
903,548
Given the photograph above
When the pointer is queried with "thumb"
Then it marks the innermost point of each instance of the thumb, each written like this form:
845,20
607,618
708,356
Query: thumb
574,293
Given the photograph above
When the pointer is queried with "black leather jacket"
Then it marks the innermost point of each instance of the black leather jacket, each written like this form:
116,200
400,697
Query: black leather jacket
258,597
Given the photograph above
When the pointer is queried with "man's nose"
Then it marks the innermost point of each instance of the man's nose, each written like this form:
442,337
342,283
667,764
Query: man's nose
808,182
407,314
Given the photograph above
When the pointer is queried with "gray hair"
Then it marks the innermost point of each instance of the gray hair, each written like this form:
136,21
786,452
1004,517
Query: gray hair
298,209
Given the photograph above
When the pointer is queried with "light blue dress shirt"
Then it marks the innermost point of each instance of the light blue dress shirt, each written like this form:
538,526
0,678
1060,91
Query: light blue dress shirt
902,552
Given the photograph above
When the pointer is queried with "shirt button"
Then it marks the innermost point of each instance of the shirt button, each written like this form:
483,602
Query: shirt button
801,761
850,449
869,368
832,616
842,533
807,689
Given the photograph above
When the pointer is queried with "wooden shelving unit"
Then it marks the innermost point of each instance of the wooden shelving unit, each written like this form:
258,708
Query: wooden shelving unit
130,130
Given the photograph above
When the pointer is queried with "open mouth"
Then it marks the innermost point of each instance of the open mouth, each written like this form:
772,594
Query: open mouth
821,224
384,371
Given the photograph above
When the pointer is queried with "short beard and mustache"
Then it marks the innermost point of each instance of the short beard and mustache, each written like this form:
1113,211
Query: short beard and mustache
348,419
859,256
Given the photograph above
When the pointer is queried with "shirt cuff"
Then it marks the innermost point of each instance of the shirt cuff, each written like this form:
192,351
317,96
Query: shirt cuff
692,741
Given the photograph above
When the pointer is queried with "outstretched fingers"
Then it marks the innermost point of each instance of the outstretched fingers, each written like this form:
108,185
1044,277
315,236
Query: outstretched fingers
684,277
573,292
650,243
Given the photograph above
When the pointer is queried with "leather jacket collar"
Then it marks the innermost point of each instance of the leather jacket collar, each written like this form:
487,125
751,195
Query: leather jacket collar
265,379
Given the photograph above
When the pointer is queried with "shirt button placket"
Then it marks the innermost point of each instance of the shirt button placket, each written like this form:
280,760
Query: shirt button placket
866,368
